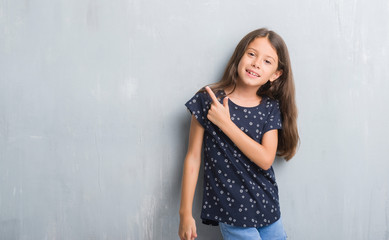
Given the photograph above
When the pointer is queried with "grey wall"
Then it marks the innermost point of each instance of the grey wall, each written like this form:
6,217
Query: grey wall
93,128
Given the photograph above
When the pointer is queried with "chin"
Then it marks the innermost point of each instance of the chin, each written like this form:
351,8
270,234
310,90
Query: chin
252,84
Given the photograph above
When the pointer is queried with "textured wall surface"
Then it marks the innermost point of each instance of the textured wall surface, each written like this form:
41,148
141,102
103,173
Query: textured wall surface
93,127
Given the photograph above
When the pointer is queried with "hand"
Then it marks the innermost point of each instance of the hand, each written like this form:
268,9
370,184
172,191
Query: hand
218,114
187,230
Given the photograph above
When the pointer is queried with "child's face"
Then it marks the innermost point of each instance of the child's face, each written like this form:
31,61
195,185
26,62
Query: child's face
258,64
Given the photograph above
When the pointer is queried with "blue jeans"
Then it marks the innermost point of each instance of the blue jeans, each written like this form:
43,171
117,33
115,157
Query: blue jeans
274,231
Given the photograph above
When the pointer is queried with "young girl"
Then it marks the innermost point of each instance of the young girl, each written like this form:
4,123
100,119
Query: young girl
241,123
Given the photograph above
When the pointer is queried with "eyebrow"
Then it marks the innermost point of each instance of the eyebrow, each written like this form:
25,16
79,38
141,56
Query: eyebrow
265,55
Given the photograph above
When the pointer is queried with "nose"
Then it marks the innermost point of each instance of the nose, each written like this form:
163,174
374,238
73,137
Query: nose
256,63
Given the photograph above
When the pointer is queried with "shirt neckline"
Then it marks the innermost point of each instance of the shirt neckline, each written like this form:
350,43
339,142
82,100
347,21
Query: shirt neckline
264,98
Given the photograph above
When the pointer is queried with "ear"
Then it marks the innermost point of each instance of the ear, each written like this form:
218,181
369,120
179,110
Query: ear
275,75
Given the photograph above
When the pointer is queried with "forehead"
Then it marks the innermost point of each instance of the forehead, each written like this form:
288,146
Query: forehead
263,46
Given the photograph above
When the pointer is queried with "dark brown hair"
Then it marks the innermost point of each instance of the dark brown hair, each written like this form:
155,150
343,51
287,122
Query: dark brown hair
281,89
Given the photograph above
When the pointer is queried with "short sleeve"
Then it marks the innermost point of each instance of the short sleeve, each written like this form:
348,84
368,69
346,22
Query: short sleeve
198,106
274,120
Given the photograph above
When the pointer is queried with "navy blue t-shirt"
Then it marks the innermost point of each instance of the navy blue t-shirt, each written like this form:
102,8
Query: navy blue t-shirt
237,191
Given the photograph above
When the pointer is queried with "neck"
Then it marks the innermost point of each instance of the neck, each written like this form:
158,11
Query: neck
243,92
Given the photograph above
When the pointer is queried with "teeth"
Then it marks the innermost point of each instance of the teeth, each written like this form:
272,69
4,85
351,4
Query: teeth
253,74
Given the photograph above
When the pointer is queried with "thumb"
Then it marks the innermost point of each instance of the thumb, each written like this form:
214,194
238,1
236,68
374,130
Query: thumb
225,102
194,233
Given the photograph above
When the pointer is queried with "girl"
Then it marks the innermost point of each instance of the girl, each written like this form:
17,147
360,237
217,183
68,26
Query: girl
242,122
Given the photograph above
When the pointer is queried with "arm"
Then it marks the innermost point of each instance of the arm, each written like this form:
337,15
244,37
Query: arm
261,154
187,229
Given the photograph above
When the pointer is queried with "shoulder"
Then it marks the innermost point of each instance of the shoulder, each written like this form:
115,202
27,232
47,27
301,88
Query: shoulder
200,101
202,96
274,116
271,103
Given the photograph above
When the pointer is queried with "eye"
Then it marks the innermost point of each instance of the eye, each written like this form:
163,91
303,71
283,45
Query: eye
251,54
267,61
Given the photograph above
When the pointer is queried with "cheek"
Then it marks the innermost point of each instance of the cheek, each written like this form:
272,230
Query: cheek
272,69
240,66
244,60
241,61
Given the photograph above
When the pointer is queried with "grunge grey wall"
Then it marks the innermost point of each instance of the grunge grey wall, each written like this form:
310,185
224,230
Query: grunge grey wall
93,127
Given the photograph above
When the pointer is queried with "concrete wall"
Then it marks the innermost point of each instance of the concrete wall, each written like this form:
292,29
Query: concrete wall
93,127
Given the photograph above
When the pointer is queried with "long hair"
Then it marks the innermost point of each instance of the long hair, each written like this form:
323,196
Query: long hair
281,89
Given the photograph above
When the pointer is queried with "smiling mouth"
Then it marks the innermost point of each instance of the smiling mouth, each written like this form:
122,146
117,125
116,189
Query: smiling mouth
252,73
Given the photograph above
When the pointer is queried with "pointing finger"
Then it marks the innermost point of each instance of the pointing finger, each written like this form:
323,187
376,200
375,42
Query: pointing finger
211,94
225,102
